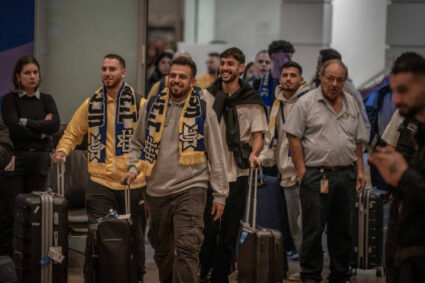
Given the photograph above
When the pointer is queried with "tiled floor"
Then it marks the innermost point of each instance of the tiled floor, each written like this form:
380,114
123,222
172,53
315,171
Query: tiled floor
76,261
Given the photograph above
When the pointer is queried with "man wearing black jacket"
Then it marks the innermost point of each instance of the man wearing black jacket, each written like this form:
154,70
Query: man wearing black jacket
242,117
407,177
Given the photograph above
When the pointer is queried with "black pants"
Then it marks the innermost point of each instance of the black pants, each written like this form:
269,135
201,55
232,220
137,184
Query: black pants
390,242
99,200
218,250
333,209
30,175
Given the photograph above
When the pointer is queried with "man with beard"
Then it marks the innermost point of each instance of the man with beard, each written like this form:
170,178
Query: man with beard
109,117
213,63
325,131
276,149
407,81
242,118
173,138
280,52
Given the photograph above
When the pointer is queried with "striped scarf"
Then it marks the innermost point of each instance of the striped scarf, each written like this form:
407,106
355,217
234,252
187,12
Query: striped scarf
125,122
191,131
271,136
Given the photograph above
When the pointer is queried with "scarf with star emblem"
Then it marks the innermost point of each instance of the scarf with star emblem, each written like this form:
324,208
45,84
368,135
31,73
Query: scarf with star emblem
125,122
191,131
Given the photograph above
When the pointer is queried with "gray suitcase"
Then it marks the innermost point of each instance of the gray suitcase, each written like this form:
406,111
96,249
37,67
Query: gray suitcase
368,231
260,250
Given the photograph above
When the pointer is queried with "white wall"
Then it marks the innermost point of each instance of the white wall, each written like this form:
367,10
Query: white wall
71,39
307,25
248,24
405,24
199,53
358,32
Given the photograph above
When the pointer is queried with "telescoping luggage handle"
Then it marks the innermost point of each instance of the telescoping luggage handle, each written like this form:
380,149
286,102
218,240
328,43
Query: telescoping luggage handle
127,200
253,172
60,178
46,236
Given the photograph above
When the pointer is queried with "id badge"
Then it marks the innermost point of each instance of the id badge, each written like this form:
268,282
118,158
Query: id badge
324,185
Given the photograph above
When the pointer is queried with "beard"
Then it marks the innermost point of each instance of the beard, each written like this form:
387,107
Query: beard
407,112
290,90
112,84
232,78
180,92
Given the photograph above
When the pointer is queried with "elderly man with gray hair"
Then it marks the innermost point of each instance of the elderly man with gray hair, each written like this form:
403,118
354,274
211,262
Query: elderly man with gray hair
325,132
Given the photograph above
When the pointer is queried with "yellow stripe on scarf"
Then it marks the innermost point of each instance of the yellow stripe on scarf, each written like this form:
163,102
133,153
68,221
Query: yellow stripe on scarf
272,124
145,166
189,156
186,157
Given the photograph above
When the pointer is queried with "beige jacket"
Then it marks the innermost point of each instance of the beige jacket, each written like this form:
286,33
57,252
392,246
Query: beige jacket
279,153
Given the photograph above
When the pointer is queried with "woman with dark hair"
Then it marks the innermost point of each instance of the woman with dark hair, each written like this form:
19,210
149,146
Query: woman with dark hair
162,67
32,117
249,73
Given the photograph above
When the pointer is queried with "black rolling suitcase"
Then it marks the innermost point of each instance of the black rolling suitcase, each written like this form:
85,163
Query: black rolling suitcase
40,237
113,247
260,257
368,231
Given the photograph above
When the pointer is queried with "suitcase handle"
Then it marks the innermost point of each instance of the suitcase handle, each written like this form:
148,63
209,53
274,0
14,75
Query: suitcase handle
253,172
127,199
60,177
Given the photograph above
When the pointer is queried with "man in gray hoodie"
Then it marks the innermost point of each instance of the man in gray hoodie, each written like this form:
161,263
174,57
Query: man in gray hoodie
175,133
276,149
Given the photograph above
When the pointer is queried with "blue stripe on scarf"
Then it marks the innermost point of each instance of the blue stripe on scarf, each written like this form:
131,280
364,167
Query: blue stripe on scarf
267,88
118,126
103,129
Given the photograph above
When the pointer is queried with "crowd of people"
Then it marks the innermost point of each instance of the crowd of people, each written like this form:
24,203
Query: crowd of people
187,148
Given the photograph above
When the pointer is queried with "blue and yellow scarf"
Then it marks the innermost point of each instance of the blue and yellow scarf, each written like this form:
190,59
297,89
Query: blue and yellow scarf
125,121
191,131
267,89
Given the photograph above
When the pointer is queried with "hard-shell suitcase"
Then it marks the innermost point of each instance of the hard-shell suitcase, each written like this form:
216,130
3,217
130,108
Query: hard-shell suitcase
368,231
260,249
271,214
113,247
40,237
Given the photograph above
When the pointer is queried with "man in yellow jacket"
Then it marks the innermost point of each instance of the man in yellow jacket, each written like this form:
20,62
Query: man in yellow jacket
109,117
